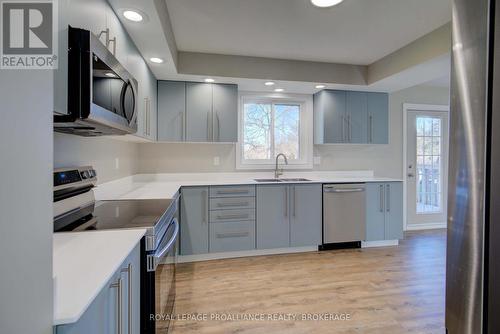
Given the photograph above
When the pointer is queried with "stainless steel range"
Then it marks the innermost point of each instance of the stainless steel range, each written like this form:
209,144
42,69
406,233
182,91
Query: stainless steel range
75,209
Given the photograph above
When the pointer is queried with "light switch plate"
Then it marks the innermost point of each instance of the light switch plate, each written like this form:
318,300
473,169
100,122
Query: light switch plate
216,161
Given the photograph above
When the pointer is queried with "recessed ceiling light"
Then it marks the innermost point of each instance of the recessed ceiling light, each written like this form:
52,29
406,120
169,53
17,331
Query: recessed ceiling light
278,90
325,3
156,60
269,83
111,75
210,80
320,86
132,15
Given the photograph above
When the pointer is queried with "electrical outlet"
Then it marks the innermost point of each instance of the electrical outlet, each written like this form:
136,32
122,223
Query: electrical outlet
317,160
216,161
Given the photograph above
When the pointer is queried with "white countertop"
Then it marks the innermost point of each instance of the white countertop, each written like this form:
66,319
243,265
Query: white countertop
165,186
83,262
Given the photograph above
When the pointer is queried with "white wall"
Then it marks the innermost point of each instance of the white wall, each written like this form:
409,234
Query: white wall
385,160
111,158
26,201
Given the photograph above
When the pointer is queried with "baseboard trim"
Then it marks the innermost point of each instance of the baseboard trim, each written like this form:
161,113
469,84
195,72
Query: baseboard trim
379,243
427,226
254,252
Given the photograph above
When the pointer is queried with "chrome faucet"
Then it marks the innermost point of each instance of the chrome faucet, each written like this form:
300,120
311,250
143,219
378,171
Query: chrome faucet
279,171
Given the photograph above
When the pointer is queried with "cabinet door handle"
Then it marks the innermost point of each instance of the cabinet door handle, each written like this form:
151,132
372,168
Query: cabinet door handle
343,129
286,201
233,217
218,125
381,197
208,126
128,270
230,205
232,235
388,199
294,202
204,208
118,286
229,192
349,128
181,114
370,125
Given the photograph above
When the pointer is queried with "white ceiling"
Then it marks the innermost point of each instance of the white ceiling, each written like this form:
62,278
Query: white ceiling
354,32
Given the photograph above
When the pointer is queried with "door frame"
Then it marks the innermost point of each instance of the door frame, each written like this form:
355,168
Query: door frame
408,107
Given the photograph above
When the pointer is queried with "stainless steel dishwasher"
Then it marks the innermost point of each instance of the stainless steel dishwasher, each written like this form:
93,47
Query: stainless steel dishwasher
344,215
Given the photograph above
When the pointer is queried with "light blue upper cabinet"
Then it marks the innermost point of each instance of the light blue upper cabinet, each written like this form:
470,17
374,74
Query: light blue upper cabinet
198,112
225,113
378,118
171,111
346,117
357,117
329,117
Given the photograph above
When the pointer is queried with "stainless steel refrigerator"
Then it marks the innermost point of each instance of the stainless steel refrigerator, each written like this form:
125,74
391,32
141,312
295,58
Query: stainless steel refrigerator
473,246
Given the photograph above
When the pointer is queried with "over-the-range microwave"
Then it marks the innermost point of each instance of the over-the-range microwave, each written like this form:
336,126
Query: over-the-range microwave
102,94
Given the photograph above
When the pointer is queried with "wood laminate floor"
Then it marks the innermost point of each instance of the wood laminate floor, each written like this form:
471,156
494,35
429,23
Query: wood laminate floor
384,290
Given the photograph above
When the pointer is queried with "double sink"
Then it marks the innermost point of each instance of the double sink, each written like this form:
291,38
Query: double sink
283,180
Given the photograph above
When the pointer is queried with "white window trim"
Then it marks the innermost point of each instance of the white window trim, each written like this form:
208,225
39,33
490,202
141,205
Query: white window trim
306,130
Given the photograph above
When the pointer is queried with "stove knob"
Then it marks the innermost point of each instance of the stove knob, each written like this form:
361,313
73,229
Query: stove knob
93,172
85,175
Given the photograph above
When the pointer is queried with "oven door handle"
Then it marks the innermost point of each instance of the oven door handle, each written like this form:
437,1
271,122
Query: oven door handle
159,254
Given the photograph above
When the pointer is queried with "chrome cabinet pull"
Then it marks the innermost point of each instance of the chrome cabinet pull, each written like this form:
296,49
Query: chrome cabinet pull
388,199
183,126
218,125
294,202
381,188
208,126
342,190
128,270
370,126
226,217
204,208
228,192
349,128
230,205
232,235
286,201
118,286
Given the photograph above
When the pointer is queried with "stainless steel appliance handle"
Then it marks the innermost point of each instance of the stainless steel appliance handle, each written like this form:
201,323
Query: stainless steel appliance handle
169,244
233,235
118,286
381,190
388,198
128,270
342,190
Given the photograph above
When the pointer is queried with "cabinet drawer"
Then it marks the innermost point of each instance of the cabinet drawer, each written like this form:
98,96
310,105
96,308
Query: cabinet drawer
232,215
225,203
232,236
232,191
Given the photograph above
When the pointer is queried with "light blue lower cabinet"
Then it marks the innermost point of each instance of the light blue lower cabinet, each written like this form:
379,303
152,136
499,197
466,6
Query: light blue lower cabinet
232,236
289,215
306,214
273,227
102,316
384,211
194,217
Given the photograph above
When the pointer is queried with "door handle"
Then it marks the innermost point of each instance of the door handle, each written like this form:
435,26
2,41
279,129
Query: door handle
128,270
118,285
294,202
370,125
286,201
208,126
381,198
388,199
410,175
204,207
218,126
